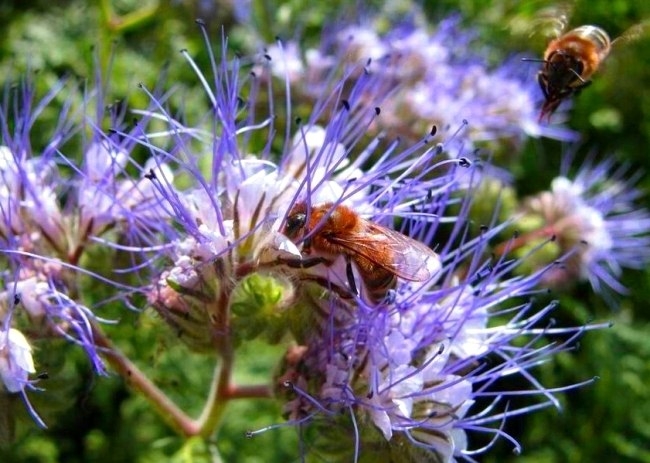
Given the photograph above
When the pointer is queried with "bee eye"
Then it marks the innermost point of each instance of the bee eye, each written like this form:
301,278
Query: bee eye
295,223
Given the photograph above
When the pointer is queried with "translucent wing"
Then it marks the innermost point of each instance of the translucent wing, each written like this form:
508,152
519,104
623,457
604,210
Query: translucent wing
552,21
405,257
633,33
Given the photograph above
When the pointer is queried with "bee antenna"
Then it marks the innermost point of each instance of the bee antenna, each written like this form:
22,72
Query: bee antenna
534,60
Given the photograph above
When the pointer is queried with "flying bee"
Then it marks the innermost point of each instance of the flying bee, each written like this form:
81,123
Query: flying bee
572,57
380,255
569,62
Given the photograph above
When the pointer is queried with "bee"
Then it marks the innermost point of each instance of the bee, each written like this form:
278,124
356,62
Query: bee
380,255
569,62
571,58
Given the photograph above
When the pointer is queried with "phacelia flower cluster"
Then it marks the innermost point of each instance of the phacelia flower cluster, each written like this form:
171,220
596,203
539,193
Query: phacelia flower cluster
320,230
410,372
434,79
54,210
594,219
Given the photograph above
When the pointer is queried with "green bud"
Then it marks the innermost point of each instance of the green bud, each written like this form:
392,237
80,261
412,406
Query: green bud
258,305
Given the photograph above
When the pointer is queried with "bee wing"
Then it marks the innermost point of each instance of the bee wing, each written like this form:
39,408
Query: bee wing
633,33
552,21
409,259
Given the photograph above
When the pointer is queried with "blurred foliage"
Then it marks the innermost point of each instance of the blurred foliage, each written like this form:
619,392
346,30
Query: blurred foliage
130,41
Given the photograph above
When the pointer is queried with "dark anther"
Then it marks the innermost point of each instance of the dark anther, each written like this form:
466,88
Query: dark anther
377,110
345,104
464,162
433,131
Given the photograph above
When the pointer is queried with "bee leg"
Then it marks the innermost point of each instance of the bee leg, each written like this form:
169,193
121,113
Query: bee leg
350,274
579,88
542,84
579,77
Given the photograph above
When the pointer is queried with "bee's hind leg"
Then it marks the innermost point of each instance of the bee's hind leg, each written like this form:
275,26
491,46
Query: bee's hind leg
350,275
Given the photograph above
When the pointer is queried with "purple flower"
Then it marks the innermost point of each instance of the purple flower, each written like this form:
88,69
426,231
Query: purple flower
234,213
594,218
435,80
55,209
410,374
426,367
217,228
16,361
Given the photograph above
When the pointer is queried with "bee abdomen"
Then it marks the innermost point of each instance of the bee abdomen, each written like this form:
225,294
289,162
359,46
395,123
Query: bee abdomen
596,35
378,283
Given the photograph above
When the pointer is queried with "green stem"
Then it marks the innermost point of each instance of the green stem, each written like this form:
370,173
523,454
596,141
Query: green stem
217,399
167,409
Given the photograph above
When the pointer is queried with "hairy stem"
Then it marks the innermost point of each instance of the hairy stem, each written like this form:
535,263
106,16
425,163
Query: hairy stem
167,409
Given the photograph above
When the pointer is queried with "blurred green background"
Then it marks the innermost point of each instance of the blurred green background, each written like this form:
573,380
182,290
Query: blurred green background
131,41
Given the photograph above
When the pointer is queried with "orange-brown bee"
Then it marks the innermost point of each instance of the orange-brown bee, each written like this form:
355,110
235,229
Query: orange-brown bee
569,62
380,255
571,58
